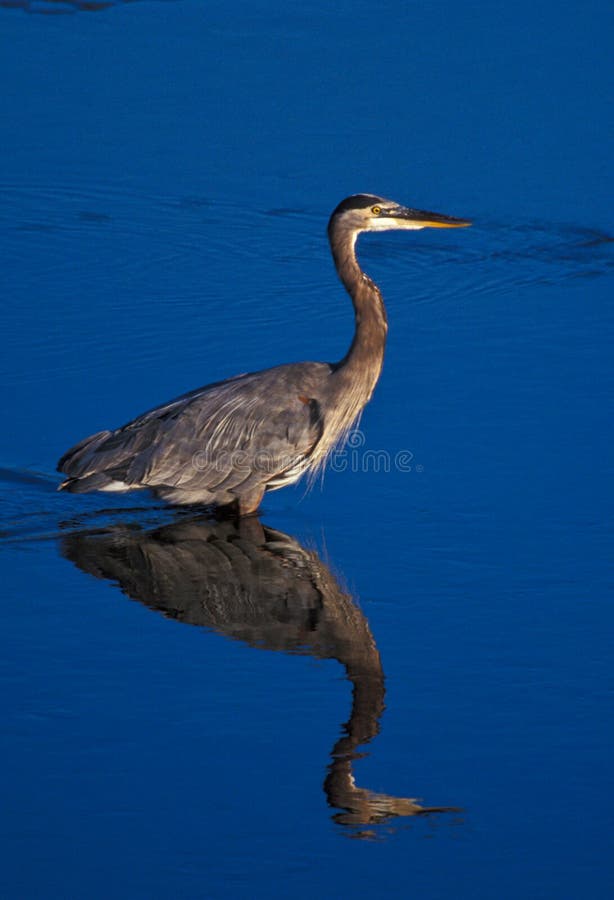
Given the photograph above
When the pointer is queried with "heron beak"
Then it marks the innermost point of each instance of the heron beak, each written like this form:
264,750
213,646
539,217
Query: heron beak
424,219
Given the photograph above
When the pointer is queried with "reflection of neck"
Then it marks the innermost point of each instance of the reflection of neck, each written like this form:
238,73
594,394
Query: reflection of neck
367,678
361,806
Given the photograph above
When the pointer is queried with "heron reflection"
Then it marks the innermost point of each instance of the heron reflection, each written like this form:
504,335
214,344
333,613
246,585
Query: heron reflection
257,585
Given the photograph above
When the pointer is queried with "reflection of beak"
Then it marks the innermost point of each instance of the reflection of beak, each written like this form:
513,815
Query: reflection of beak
424,219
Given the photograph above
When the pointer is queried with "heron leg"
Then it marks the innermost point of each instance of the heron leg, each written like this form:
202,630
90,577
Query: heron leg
249,503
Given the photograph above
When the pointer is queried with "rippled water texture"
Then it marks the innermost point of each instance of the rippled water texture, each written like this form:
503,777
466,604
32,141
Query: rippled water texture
399,681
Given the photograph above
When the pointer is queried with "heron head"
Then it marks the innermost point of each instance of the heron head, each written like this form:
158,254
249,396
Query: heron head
368,212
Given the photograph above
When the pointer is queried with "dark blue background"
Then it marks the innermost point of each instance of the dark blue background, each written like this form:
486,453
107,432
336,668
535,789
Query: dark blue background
167,173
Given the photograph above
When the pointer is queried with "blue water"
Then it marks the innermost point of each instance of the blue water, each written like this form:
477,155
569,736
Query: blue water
400,682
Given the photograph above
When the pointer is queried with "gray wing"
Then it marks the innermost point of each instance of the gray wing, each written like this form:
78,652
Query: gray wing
228,437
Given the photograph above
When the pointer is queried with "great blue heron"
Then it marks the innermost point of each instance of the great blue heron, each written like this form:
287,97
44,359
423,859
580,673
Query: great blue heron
229,442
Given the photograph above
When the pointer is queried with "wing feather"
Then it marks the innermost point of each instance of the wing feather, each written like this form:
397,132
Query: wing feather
227,436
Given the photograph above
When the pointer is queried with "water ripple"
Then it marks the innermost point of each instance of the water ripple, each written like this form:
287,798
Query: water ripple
60,7
113,262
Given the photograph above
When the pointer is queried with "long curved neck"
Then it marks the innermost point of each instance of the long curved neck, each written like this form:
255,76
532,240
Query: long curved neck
362,363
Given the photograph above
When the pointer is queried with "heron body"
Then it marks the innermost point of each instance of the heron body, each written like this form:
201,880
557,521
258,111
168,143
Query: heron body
227,443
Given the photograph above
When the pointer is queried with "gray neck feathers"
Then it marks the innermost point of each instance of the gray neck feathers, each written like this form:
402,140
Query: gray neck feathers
356,375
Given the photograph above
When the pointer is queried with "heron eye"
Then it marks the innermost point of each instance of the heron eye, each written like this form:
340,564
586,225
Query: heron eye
376,210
